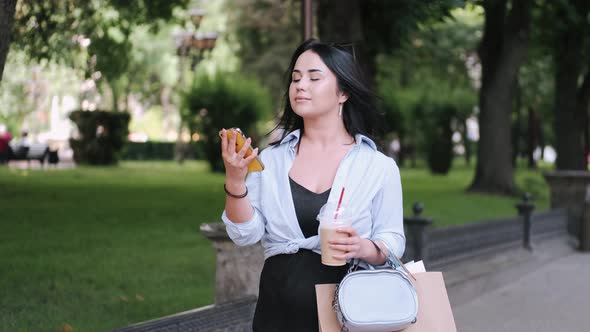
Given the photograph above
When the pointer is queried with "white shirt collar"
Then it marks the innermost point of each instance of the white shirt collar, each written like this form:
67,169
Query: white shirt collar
293,137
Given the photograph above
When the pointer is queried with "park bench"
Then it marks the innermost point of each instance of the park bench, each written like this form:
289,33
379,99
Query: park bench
34,151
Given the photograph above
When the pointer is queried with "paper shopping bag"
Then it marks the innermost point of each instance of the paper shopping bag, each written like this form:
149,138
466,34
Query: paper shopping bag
434,308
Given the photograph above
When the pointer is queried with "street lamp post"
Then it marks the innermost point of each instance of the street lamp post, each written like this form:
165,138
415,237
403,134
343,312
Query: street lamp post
190,47
306,19
196,15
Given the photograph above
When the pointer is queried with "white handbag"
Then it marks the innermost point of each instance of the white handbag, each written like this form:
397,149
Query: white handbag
381,300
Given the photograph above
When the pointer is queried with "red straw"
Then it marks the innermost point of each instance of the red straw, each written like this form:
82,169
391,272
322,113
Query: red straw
339,203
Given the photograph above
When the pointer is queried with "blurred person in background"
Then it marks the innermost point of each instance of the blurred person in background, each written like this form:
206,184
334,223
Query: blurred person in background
5,138
21,147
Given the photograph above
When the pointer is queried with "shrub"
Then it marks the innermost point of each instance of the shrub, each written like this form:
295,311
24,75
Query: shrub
439,141
102,135
223,101
427,116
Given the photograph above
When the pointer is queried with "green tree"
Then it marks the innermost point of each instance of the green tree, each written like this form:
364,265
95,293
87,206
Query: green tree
375,26
429,74
534,116
50,29
570,38
29,87
265,33
14,104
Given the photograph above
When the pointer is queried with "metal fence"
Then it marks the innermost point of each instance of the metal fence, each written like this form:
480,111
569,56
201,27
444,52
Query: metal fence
441,246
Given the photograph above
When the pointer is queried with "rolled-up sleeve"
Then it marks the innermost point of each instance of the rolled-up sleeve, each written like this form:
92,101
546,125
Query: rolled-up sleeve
251,231
387,212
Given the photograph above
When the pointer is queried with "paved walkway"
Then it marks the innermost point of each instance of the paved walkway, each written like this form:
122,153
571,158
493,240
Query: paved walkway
547,290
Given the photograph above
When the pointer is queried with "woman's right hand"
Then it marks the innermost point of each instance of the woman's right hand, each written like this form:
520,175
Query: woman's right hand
236,165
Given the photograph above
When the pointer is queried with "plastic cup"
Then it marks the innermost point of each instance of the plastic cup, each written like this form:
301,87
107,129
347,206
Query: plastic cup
331,219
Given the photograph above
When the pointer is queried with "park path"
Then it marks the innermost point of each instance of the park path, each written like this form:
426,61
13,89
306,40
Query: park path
547,290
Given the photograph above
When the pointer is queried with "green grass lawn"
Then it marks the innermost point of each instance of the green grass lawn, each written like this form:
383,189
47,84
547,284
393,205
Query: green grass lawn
101,248
447,203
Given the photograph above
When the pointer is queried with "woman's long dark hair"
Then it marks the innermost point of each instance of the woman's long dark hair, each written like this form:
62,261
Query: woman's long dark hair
359,112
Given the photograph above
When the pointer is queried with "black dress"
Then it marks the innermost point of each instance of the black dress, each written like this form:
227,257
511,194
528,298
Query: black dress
286,299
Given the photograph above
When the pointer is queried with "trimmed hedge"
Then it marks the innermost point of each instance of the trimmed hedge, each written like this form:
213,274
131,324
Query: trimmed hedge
427,117
151,150
223,101
439,137
102,135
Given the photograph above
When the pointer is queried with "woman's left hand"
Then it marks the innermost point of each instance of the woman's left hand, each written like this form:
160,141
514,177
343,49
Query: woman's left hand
351,245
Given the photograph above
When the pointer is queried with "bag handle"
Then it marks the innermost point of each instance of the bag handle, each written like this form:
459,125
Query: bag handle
388,257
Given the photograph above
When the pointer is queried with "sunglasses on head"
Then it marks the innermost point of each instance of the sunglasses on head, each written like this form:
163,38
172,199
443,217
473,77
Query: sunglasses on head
346,47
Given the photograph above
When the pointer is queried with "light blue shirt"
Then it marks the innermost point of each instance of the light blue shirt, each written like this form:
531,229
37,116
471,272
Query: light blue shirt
373,194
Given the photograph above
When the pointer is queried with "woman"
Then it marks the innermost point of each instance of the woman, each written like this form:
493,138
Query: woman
328,119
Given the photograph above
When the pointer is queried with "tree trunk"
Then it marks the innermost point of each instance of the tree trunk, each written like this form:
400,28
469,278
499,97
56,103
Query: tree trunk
7,9
532,134
568,123
115,98
517,132
502,50
584,113
400,156
341,21
466,142
541,133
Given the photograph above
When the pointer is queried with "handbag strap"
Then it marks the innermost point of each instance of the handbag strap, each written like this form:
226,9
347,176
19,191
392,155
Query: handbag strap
391,263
